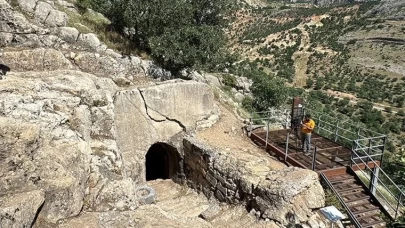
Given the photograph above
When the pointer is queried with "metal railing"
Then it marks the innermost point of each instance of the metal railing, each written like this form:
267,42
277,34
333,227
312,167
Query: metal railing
345,133
380,184
351,216
367,146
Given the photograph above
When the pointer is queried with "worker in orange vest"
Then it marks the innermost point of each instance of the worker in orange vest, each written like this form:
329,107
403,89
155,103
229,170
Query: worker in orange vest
307,126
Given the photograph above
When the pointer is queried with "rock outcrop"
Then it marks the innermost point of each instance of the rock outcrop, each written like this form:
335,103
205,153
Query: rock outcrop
275,196
156,114
75,129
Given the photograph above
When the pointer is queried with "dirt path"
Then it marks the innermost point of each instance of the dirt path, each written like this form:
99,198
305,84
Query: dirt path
228,136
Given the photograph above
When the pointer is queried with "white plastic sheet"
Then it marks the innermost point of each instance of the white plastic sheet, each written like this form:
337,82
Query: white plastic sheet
332,214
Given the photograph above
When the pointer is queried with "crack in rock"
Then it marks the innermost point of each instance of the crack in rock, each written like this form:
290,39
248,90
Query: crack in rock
139,109
167,118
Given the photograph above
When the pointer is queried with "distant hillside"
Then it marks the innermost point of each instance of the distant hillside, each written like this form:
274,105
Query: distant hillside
353,51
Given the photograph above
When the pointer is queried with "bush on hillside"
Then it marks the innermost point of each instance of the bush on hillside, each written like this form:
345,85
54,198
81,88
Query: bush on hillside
176,33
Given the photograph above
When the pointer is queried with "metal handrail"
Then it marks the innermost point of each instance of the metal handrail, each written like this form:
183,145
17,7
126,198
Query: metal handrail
401,193
375,187
352,217
371,159
348,123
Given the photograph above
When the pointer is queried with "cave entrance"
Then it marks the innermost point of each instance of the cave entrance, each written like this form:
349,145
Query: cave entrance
162,162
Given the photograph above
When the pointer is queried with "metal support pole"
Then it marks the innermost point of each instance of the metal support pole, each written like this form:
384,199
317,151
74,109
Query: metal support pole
267,133
286,147
374,180
383,150
314,159
358,131
399,201
286,120
369,150
319,123
352,153
337,129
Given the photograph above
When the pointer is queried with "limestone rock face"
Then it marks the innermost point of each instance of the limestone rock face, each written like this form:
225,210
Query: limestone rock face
186,102
42,149
41,59
295,191
156,114
19,210
50,16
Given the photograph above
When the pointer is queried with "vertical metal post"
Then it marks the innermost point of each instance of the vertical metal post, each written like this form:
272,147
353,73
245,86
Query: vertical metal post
358,131
286,147
286,120
382,151
352,153
337,129
319,123
399,200
374,179
369,150
314,159
267,133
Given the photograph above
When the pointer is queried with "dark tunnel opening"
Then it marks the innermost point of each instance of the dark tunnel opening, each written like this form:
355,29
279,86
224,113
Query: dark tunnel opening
162,162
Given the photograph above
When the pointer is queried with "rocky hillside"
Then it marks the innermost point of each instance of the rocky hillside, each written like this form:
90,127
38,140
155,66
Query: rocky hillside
343,52
78,121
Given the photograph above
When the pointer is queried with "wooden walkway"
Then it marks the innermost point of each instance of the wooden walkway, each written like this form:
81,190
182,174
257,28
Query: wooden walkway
332,162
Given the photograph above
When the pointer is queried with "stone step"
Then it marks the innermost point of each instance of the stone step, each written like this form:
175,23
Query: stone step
183,202
178,200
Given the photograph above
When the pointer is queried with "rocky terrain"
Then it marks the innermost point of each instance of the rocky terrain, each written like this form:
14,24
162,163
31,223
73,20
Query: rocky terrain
78,119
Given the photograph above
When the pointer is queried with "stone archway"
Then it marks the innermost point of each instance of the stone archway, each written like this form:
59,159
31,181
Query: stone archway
161,162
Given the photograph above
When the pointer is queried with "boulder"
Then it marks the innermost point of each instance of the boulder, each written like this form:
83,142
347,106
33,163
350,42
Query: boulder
62,170
28,5
89,40
244,83
46,14
40,59
19,210
110,65
212,80
290,191
68,34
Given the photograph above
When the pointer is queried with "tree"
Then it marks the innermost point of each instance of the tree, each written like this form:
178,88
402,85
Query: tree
177,33
268,92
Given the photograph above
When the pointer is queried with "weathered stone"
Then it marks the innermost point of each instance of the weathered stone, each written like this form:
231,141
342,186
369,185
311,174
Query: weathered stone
89,40
211,179
19,210
182,97
28,5
116,67
219,195
276,193
68,34
63,174
48,15
211,212
41,59
212,80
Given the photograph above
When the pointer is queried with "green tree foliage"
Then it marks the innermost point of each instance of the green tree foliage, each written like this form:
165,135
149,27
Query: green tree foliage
177,33
268,92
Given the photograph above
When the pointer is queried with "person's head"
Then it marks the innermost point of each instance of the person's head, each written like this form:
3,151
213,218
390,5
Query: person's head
307,116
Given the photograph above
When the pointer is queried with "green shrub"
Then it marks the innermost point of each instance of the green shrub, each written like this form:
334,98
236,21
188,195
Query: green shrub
229,80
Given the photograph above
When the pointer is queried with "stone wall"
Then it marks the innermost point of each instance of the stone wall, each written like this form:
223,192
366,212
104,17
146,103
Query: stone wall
275,196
